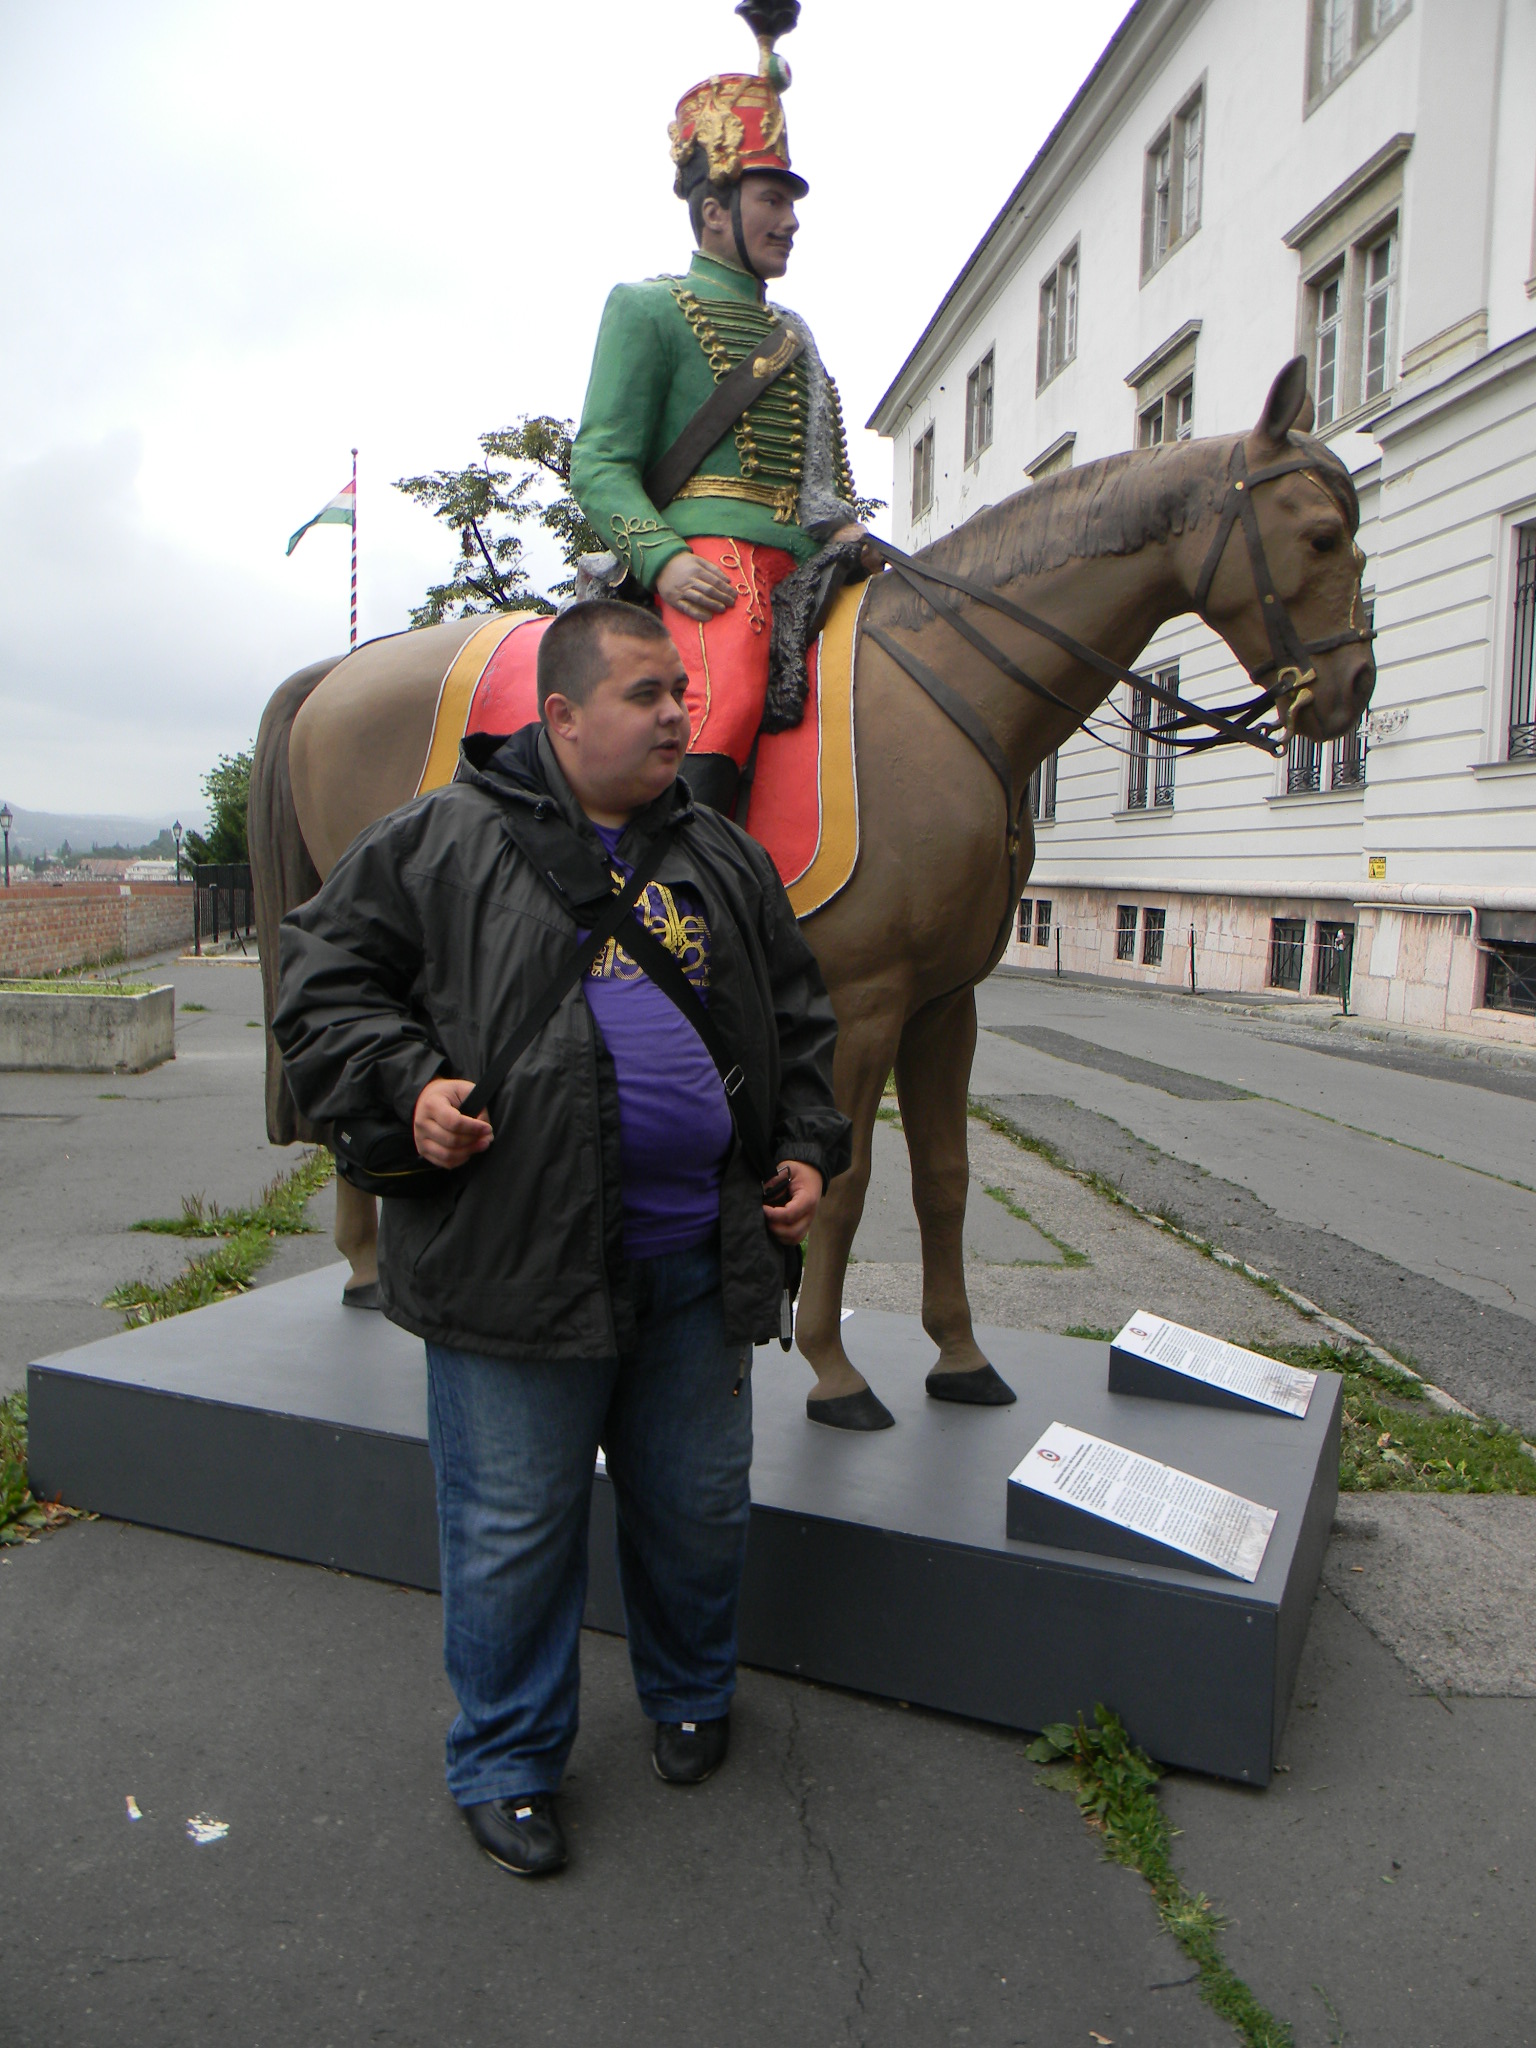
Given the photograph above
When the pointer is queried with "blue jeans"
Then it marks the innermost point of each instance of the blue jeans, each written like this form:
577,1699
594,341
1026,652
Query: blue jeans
514,1443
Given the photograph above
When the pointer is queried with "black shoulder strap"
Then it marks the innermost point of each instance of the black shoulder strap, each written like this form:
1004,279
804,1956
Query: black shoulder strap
736,391
620,903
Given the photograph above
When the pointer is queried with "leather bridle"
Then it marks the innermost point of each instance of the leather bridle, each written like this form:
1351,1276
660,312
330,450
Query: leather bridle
1290,660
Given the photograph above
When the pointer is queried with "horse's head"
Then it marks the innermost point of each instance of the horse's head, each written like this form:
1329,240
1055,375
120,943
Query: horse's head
1306,634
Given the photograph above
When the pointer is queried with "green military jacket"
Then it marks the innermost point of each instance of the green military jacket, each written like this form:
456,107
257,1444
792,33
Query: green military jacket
780,479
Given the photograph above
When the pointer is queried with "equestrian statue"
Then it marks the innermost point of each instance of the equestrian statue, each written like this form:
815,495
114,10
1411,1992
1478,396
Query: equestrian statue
873,718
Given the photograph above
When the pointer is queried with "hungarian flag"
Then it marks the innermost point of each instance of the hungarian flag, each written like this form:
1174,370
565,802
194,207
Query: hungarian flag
341,511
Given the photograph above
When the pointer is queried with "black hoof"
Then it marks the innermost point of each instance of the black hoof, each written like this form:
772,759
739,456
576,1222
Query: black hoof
982,1388
863,1410
366,1296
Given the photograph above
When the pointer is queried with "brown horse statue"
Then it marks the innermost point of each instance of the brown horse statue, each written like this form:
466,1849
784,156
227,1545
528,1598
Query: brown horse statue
1108,552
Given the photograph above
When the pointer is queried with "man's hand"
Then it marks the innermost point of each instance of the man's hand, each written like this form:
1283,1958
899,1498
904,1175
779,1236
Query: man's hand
790,1222
443,1137
872,562
695,587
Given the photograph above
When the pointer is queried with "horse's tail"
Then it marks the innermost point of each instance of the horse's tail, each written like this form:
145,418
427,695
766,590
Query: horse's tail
282,876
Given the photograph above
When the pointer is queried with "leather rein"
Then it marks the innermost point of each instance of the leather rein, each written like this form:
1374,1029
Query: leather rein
1290,657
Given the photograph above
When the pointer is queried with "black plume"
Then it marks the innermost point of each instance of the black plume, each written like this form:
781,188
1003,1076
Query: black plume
769,17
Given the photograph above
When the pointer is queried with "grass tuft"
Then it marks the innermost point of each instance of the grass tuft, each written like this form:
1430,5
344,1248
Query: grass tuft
245,1241
22,1517
1092,1332
1393,1441
1069,1256
1114,1783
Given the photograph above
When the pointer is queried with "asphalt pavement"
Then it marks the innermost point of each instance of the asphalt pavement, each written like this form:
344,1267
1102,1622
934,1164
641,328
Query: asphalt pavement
1391,1183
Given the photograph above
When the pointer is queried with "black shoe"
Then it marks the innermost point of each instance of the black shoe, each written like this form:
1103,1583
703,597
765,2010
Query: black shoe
982,1388
863,1410
365,1296
522,1835
688,1752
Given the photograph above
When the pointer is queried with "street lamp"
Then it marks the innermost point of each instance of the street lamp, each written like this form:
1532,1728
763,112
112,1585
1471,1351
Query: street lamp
176,835
6,822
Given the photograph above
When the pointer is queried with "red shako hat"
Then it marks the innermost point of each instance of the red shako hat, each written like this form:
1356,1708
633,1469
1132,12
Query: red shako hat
736,119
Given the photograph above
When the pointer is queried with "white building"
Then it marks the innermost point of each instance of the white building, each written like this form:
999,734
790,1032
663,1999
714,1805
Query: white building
1355,179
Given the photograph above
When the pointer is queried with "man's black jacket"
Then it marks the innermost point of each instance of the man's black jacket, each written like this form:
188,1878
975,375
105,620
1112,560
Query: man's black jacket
430,938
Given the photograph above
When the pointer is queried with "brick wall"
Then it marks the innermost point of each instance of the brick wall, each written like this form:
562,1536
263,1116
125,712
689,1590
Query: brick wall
76,924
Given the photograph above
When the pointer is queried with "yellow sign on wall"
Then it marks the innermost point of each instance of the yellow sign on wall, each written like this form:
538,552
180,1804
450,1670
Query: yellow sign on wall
1376,867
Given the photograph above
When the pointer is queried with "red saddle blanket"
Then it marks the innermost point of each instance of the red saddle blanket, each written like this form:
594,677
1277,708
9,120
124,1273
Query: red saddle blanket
804,801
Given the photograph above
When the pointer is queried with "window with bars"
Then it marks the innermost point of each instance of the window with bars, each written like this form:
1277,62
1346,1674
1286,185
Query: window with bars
978,408
1346,760
1510,982
1174,178
1043,921
1125,932
1026,919
1343,32
1154,924
1149,781
922,473
1310,771
1303,766
1334,954
1287,944
1042,791
1522,657
1057,342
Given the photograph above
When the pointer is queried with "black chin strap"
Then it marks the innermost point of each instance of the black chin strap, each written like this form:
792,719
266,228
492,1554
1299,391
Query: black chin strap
741,240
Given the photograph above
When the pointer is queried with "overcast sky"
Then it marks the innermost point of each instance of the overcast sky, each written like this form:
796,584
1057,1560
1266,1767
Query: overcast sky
237,238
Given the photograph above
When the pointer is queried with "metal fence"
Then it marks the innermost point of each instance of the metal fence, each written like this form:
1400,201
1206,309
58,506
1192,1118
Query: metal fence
222,903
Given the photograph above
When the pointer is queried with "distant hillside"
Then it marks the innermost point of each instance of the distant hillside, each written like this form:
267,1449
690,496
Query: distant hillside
35,832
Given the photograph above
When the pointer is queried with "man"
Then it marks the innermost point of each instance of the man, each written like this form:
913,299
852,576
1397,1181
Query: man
600,1259
775,485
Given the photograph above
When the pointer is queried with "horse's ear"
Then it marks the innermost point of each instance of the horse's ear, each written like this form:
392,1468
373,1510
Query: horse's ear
1288,405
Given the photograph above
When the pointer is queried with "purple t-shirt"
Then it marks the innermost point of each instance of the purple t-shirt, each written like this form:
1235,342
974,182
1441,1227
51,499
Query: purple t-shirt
674,1122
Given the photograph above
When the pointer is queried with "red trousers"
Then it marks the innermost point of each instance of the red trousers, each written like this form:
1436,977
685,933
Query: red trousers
727,659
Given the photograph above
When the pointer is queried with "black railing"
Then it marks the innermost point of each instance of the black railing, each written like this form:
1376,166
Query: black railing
1334,962
1522,662
1287,943
221,888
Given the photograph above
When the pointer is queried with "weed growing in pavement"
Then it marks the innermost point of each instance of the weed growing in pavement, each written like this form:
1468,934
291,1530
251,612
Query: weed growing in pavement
246,1237
1092,1332
22,1517
184,1007
1069,1257
1393,1441
1114,1783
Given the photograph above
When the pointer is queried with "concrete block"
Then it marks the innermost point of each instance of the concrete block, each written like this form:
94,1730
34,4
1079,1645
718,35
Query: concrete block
87,1033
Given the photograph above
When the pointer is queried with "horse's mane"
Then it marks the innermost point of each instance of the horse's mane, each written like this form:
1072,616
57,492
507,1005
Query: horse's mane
1110,507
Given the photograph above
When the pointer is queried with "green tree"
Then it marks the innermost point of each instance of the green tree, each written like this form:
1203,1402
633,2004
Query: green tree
227,788
523,478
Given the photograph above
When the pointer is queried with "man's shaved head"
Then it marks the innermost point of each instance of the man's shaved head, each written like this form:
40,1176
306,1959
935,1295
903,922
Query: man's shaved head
573,650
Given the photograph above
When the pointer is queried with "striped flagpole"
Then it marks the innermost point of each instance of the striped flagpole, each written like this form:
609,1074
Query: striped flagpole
354,550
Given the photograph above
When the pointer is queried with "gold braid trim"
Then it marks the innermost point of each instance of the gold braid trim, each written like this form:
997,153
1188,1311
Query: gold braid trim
771,428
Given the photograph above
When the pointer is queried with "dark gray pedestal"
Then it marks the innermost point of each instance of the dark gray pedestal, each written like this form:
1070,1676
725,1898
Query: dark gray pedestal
287,1424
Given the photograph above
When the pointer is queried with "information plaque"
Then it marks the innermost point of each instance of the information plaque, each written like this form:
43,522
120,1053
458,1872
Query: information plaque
1152,1356
1081,1493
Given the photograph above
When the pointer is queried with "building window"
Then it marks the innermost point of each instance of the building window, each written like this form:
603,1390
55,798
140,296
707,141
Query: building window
1125,932
1344,31
1043,921
1334,953
1153,925
1510,983
1380,293
1522,660
1327,340
1310,771
1169,418
978,408
1303,766
1175,167
1151,756
1042,791
1287,943
922,473
1346,760
1026,919
1057,343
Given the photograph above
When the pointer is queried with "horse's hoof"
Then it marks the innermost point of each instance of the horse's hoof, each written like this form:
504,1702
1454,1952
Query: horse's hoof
366,1296
863,1410
983,1388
